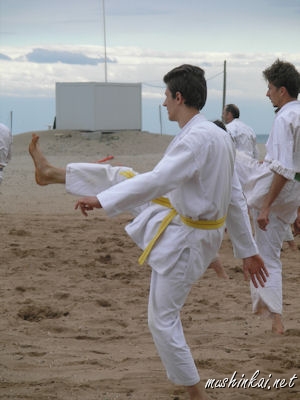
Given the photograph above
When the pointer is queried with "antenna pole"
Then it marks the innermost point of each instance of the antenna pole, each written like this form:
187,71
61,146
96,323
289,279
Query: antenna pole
224,88
104,29
11,121
160,120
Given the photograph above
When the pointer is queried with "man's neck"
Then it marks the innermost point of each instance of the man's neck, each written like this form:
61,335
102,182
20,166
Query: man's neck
286,100
187,116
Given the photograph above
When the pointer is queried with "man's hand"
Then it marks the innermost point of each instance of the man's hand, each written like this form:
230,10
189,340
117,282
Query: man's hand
296,224
87,204
263,219
255,270
277,184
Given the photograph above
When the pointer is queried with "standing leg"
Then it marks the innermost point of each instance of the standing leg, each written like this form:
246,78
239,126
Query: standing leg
217,266
269,298
167,296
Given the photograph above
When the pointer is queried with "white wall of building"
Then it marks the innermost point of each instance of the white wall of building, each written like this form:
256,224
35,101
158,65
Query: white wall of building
93,106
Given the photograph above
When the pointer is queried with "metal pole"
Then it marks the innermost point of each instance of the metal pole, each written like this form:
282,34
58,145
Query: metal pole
104,29
160,120
224,88
11,121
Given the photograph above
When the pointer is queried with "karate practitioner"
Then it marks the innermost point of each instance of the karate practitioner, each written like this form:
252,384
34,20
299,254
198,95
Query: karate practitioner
180,209
243,135
272,188
5,148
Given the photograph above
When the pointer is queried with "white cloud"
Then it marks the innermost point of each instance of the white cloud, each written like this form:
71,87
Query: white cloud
133,64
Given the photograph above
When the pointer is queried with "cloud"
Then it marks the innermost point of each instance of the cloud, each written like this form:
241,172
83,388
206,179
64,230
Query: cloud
33,71
44,56
4,57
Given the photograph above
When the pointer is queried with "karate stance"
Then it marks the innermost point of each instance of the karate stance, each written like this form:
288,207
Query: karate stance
180,209
272,188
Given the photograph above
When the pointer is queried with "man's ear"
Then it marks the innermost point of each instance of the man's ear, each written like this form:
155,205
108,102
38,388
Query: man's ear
179,97
283,91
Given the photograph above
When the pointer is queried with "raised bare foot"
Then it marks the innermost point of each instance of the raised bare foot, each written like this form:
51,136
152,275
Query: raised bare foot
42,167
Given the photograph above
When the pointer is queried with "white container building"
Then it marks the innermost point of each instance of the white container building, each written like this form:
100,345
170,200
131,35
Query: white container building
93,106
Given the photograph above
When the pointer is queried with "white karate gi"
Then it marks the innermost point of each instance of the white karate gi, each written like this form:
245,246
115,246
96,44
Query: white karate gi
283,157
5,148
196,175
289,237
244,137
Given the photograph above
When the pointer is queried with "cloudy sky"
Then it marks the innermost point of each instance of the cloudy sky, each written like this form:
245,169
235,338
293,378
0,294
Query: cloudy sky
47,41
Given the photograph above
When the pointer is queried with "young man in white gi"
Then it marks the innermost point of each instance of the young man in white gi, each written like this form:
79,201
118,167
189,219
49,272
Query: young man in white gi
180,208
272,188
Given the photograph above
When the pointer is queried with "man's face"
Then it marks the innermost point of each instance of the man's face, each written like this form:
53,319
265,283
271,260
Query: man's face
226,116
275,95
171,105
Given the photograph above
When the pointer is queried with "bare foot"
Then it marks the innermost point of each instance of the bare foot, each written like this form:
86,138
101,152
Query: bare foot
45,173
196,392
277,325
39,160
262,311
297,227
292,245
219,269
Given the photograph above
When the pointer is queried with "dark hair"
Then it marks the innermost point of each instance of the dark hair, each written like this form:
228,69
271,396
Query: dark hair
220,124
233,109
189,80
282,73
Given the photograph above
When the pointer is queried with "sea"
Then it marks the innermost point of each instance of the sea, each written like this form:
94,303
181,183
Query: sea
33,114
261,139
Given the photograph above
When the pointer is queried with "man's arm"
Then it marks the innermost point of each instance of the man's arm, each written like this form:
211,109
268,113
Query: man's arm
276,186
239,229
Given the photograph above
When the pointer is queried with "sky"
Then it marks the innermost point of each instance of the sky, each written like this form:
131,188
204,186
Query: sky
43,42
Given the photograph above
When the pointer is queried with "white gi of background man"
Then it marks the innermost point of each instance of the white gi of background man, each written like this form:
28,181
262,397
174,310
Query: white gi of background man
272,188
243,135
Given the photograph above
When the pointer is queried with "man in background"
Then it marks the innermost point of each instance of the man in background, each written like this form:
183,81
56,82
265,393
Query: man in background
272,188
5,148
243,135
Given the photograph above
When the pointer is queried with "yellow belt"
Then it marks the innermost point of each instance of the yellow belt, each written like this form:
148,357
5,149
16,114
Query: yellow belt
165,202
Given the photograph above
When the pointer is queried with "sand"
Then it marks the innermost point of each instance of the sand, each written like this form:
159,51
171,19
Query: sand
74,299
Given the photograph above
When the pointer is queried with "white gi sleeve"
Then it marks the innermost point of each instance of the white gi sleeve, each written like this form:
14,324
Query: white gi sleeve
238,222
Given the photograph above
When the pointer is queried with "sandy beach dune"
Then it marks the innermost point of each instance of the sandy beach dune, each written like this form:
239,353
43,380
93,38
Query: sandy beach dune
74,299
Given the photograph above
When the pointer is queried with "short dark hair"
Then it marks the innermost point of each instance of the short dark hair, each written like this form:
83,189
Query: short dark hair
233,109
189,80
220,124
282,73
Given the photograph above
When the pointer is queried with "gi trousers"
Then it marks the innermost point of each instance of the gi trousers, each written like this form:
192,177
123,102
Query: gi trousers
166,299
269,245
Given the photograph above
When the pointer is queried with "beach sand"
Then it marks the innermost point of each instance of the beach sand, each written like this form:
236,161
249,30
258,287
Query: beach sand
74,299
